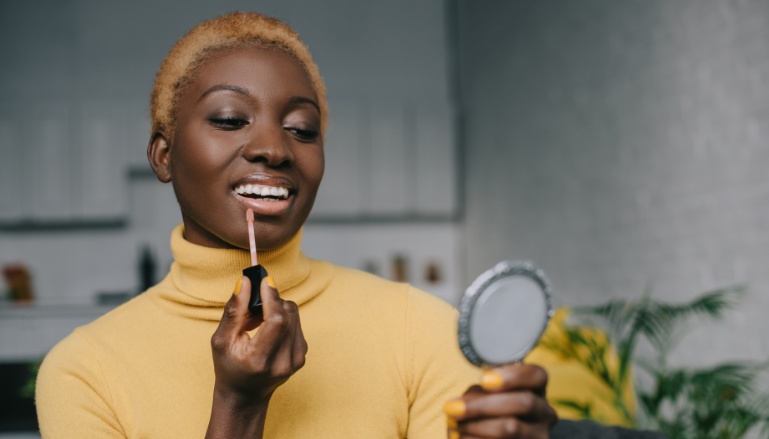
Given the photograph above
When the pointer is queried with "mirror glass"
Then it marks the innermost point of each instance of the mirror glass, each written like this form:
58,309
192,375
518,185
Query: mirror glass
503,313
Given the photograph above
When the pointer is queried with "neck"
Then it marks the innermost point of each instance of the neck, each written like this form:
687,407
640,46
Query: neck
209,274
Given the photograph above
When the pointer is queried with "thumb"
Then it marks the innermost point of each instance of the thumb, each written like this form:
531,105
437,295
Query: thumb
236,310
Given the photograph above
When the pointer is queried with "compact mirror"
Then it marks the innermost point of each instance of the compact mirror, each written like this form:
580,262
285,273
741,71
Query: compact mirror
503,313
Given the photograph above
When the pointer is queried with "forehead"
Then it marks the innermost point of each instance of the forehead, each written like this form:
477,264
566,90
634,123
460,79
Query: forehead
254,68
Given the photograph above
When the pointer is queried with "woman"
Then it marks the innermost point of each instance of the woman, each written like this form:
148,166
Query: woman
239,112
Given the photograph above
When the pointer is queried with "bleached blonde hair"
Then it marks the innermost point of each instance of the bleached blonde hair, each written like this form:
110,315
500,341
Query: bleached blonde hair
233,30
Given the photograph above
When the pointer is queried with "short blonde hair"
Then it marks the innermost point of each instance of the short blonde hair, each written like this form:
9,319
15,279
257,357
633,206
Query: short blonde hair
237,29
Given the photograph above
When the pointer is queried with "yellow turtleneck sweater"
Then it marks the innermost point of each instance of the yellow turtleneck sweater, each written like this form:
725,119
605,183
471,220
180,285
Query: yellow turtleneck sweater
382,357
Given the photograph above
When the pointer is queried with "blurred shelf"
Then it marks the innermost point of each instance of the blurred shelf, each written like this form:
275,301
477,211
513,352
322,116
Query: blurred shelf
10,311
404,218
36,226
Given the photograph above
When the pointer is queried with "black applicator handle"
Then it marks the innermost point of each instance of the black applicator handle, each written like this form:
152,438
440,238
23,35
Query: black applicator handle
255,274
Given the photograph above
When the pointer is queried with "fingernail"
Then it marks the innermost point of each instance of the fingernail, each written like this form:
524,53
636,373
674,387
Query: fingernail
453,435
270,281
452,423
238,285
492,380
455,408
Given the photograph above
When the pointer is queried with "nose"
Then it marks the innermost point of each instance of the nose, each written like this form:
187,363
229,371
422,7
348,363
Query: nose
270,145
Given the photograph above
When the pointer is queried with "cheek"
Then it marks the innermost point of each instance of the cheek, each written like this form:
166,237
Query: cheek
201,155
318,165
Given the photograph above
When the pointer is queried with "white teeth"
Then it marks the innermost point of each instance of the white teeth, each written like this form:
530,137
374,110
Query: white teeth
262,191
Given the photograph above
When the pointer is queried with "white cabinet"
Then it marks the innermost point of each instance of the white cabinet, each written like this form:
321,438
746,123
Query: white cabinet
11,172
436,160
60,166
389,159
342,190
136,134
102,181
48,192
385,159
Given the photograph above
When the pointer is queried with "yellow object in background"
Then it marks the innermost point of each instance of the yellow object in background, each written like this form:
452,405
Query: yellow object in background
579,362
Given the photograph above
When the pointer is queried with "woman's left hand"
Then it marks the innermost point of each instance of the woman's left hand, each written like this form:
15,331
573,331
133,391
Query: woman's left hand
509,403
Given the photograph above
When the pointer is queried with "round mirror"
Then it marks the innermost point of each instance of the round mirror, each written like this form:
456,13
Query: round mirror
503,313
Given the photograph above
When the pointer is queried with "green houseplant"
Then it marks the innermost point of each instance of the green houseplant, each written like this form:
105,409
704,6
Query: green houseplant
715,402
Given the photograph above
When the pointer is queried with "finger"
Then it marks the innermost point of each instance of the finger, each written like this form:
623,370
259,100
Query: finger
515,377
283,363
271,301
299,343
506,427
269,339
522,404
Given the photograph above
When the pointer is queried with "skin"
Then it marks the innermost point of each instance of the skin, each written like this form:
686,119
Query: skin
251,115
515,408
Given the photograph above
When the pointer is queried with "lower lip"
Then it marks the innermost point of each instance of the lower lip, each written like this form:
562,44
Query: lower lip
266,208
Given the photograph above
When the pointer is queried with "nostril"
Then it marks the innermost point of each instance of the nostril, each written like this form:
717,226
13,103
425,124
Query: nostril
273,154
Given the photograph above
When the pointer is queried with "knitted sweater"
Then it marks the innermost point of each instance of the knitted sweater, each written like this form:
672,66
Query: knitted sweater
382,357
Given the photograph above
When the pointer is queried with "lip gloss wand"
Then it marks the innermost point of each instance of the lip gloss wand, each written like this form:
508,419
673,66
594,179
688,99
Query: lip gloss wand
255,272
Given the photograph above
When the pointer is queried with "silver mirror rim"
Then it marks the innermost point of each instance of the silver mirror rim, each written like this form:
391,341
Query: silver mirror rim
480,284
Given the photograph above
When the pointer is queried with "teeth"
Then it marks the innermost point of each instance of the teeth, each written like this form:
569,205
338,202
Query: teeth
262,191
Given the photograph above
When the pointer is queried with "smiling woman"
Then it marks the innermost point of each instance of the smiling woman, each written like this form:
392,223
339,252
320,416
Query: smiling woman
247,126
239,112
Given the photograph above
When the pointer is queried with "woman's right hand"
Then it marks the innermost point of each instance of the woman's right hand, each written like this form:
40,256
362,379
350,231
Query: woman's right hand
248,370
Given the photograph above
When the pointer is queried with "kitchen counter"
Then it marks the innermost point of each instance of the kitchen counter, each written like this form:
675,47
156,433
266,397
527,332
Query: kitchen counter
27,332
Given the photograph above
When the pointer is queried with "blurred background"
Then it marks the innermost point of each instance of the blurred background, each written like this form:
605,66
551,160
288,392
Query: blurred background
621,145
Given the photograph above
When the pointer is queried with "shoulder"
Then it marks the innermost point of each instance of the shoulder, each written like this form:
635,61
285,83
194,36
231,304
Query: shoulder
81,347
364,282
71,366
90,343
361,287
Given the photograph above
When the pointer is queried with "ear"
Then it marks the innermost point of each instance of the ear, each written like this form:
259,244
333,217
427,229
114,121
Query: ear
158,154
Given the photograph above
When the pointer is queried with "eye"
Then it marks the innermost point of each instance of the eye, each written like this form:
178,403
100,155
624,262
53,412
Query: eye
229,123
303,133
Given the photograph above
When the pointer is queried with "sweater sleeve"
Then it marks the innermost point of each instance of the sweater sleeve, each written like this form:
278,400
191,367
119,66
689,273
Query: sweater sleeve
436,370
72,397
591,430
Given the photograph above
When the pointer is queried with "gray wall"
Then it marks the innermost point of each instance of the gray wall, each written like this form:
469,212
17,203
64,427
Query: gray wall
92,48
623,145
79,50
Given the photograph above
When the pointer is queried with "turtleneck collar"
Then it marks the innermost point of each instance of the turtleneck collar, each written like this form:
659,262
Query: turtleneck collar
206,276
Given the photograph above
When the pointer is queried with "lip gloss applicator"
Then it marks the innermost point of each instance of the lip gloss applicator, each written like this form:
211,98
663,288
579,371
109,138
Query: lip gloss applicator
255,272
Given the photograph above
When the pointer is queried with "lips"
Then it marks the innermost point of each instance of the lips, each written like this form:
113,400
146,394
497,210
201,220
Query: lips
264,195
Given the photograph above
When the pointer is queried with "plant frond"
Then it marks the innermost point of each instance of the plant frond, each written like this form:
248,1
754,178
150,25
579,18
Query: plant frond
585,410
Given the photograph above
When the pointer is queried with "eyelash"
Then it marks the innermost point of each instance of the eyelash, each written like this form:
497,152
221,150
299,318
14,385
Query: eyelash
228,123
306,134
236,123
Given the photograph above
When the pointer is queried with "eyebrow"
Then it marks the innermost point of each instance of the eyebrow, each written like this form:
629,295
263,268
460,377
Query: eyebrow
222,87
296,100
